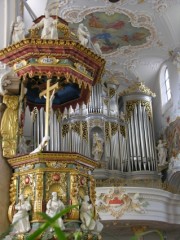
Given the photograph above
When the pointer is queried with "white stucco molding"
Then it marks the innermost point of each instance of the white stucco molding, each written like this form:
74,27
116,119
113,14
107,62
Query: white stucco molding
138,203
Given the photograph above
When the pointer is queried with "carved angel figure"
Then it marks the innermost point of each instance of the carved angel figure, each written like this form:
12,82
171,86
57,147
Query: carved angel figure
97,148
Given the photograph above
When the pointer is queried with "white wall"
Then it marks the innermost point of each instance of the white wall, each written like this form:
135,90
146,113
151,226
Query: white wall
8,12
160,118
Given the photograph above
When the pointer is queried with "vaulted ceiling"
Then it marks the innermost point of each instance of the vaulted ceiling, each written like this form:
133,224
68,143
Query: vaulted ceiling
135,36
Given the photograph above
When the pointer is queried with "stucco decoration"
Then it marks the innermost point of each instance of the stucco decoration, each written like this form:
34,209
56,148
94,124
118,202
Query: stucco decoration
53,6
160,6
117,202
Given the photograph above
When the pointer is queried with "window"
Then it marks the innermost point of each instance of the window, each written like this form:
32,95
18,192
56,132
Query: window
165,86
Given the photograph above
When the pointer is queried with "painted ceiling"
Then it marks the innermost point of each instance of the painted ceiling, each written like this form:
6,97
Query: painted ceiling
135,36
114,31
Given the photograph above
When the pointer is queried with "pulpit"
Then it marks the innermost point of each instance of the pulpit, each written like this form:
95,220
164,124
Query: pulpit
55,75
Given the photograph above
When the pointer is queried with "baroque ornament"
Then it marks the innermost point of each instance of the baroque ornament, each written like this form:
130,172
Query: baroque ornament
137,22
117,202
9,126
138,87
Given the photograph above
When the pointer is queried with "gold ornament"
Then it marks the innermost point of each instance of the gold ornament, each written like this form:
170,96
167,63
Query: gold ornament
138,87
9,126
130,105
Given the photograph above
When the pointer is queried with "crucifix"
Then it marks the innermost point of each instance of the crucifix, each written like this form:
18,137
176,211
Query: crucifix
49,99
49,95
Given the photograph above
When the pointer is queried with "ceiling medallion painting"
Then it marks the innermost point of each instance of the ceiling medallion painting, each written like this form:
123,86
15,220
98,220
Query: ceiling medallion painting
116,30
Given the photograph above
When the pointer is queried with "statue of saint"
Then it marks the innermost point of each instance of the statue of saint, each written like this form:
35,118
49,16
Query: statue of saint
122,116
162,152
21,218
83,35
9,126
87,217
18,30
85,39
49,25
97,147
53,207
23,148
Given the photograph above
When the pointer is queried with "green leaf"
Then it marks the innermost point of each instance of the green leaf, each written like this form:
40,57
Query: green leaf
38,232
59,233
152,231
134,238
51,222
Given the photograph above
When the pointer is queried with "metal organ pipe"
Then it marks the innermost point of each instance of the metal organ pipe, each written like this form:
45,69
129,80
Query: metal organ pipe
146,138
144,134
141,131
153,155
136,127
38,131
130,145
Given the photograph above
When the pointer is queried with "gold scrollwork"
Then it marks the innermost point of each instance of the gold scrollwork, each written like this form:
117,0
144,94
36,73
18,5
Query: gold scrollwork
114,128
27,185
84,130
76,127
65,29
38,203
112,92
107,130
130,105
123,130
92,184
83,186
12,190
65,129
56,182
74,195
138,87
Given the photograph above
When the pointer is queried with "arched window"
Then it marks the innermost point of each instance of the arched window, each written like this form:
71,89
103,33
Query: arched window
165,86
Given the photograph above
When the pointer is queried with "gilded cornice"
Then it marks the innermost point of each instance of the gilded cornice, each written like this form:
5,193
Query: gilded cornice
26,57
49,157
45,43
138,87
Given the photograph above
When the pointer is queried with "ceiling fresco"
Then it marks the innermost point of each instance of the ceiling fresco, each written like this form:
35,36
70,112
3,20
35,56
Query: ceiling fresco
114,31
135,36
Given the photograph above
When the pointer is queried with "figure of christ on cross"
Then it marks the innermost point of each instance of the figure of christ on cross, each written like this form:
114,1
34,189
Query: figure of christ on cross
48,93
